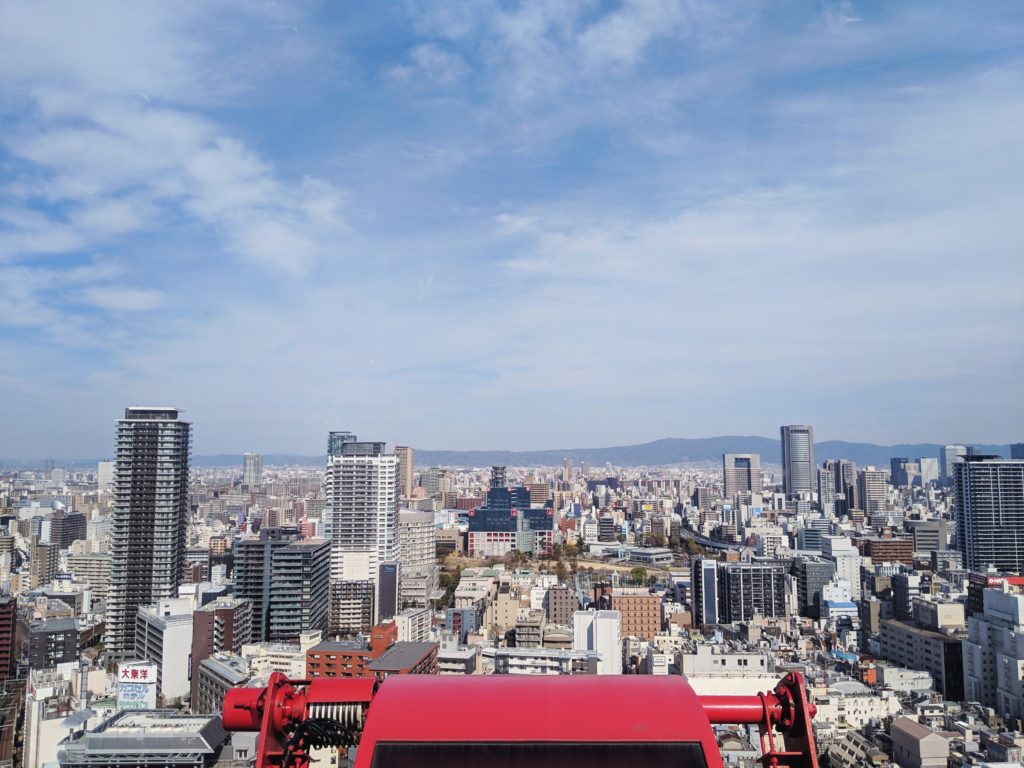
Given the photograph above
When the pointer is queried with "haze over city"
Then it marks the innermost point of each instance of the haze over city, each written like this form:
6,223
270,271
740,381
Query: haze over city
475,225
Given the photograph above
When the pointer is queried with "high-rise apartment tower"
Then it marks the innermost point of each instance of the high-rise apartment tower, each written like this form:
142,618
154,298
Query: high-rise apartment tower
149,520
362,500
406,482
990,512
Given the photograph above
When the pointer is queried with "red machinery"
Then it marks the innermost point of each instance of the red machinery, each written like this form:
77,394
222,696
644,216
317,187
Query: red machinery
505,721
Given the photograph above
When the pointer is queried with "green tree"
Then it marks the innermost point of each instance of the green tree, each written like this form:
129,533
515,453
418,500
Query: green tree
515,558
639,574
561,572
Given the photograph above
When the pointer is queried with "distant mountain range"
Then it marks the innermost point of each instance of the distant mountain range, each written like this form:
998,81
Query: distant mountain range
677,450
670,450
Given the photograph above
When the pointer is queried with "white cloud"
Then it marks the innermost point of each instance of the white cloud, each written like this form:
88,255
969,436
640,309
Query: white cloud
432,64
123,299
104,159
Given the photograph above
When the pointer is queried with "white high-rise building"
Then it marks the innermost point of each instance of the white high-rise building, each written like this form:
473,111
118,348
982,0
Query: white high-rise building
252,470
873,490
417,551
105,476
149,521
994,653
798,475
840,550
163,636
362,501
600,631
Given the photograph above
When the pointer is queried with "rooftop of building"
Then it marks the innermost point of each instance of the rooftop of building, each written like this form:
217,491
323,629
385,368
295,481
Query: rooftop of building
151,731
222,602
461,653
911,727
402,655
952,634
228,666
341,646
53,625
307,544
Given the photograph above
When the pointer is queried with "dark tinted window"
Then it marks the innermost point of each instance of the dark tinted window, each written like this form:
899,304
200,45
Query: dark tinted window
536,755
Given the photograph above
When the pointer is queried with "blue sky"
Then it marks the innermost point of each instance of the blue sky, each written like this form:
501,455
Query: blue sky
480,224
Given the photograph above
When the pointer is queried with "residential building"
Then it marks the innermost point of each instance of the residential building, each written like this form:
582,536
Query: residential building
222,625
456,659
882,550
754,588
561,605
406,483
826,490
812,573
872,490
544,661
414,625
705,592
349,658
213,677
990,512
639,610
361,486
417,552
352,606
299,589
254,562
149,520
335,441
48,642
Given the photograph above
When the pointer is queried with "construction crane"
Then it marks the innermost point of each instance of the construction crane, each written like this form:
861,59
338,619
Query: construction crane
516,721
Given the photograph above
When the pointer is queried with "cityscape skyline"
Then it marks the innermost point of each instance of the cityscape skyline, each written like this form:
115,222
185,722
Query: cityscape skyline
505,209
166,587
833,449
